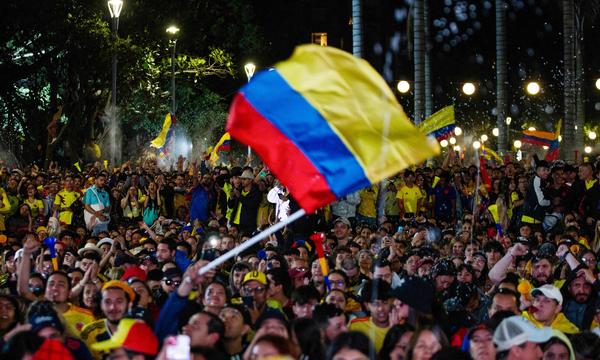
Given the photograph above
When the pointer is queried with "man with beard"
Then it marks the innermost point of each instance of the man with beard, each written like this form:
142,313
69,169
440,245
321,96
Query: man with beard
580,298
116,297
541,272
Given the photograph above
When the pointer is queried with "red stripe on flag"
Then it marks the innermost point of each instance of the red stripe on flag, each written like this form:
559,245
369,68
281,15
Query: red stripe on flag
285,160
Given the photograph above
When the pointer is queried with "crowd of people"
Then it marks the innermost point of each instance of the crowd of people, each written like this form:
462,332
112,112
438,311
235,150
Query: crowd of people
432,263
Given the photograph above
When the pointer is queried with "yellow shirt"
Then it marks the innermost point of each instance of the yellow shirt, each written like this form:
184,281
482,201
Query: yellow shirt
560,323
410,197
63,201
368,202
366,326
36,207
78,317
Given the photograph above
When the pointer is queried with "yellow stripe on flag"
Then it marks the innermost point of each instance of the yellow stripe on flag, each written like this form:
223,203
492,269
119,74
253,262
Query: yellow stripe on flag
214,155
160,140
441,118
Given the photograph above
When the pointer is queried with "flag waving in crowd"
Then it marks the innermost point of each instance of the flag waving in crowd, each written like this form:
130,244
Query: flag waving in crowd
165,138
441,124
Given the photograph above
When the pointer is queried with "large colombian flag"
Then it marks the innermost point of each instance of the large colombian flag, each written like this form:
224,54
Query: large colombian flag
326,124
441,124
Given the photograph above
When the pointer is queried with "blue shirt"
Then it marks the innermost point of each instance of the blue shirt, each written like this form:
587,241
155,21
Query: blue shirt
90,197
200,200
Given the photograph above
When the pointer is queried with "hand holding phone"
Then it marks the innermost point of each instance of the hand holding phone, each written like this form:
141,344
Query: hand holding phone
178,348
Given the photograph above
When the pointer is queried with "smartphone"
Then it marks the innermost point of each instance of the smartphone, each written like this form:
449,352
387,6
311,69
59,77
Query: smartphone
178,348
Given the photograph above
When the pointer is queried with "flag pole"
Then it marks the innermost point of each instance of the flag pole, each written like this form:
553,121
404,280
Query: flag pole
248,243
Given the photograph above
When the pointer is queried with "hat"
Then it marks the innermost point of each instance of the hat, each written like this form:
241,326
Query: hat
43,315
416,293
549,291
120,285
52,349
342,220
105,241
187,228
134,272
255,276
90,247
243,310
133,335
516,330
40,229
247,174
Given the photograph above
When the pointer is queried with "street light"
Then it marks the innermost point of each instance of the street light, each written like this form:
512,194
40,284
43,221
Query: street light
476,145
468,88
249,68
173,31
444,143
453,140
517,144
533,88
484,138
456,148
592,135
457,131
588,149
598,84
508,120
403,86
495,132
531,128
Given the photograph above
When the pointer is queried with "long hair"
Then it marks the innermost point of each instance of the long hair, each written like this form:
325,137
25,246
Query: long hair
307,334
437,332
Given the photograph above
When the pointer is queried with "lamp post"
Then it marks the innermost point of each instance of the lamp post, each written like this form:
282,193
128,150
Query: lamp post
173,31
115,7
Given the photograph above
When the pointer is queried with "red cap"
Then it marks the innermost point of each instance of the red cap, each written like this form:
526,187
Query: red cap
134,272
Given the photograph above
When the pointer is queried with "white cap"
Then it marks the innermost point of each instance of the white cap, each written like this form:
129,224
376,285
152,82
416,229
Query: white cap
516,330
105,240
549,291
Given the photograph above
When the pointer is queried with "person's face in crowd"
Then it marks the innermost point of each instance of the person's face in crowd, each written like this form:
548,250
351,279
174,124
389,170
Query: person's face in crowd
411,264
303,253
527,351
143,293
337,282
556,351
89,291
503,302
49,332
509,171
114,304
365,260
482,346
75,277
68,240
85,264
361,242
384,273
179,181
105,248
493,255
458,249
316,271
7,313
304,310
149,246
380,312
197,330
54,187
163,253
590,260
466,227
464,276
558,177
227,243
339,258
426,345
100,182
235,327
542,271
443,282
238,277
264,350
57,289
349,354
543,172
31,191
470,249
171,284
547,309
274,327
11,267
335,326
258,292
254,261
337,298
425,269
585,172
580,289
525,231
341,230
215,296
399,350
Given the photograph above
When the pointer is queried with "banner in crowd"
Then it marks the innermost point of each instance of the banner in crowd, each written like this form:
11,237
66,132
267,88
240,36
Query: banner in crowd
326,124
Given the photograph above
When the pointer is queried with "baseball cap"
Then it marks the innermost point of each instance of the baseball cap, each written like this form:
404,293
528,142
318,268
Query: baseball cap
549,291
255,276
516,330
342,220
120,285
133,335
42,315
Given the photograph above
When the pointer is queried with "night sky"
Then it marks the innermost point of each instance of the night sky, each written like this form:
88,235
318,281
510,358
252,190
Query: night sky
462,35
